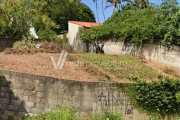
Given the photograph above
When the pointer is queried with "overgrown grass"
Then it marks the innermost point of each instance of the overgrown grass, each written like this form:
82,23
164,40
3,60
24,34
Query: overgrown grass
108,115
122,66
59,114
68,114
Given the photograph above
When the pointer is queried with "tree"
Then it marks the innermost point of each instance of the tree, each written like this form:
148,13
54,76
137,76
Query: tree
48,17
18,16
15,20
97,36
141,4
117,4
171,24
76,11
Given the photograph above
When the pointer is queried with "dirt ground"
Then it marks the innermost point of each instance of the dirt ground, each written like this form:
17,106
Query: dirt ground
41,64
164,69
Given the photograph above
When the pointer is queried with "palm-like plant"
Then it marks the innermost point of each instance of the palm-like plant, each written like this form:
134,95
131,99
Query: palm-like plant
117,4
141,4
95,1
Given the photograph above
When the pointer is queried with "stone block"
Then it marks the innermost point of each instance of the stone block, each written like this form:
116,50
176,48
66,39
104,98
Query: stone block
42,84
77,93
34,99
25,110
24,98
4,100
20,80
10,96
12,107
37,81
5,83
2,106
40,105
2,94
8,112
29,93
28,87
29,104
18,91
43,101
39,89
86,105
88,93
52,106
6,89
7,77
77,104
15,102
16,85
36,110
53,96
39,94
2,113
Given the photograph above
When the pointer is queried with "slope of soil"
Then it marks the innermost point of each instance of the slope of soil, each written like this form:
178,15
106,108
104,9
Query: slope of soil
41,64
126,69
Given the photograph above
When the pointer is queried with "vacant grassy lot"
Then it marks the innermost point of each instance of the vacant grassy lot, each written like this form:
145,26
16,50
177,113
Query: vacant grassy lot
96,67
123,67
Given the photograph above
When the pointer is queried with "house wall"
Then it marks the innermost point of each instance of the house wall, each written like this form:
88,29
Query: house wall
22,93
74,39
161,55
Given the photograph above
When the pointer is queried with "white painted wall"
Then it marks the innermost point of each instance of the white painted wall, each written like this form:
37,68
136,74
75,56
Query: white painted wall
73,37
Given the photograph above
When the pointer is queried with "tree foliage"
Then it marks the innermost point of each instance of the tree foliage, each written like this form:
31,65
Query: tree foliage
48,17
96,36
148,24
71,10
15,18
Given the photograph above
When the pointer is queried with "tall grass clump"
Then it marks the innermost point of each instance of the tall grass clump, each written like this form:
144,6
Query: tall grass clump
107,115
63,113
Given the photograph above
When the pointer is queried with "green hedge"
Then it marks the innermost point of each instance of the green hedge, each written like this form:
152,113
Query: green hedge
159,97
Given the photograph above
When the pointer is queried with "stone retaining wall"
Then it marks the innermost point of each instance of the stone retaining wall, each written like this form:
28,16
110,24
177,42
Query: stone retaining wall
6,43
22,93
169,58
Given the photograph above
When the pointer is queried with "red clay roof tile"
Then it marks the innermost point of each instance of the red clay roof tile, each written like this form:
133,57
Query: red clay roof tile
85,24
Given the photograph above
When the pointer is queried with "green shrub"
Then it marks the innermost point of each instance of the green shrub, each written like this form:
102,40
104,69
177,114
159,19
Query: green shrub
24,44
157,97
109,115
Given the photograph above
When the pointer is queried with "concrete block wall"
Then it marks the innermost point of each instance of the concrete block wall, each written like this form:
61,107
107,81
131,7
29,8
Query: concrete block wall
161,55
22,93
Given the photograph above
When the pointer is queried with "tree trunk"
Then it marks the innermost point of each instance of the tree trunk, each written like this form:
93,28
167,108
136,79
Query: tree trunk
99,49
103,10
97,12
